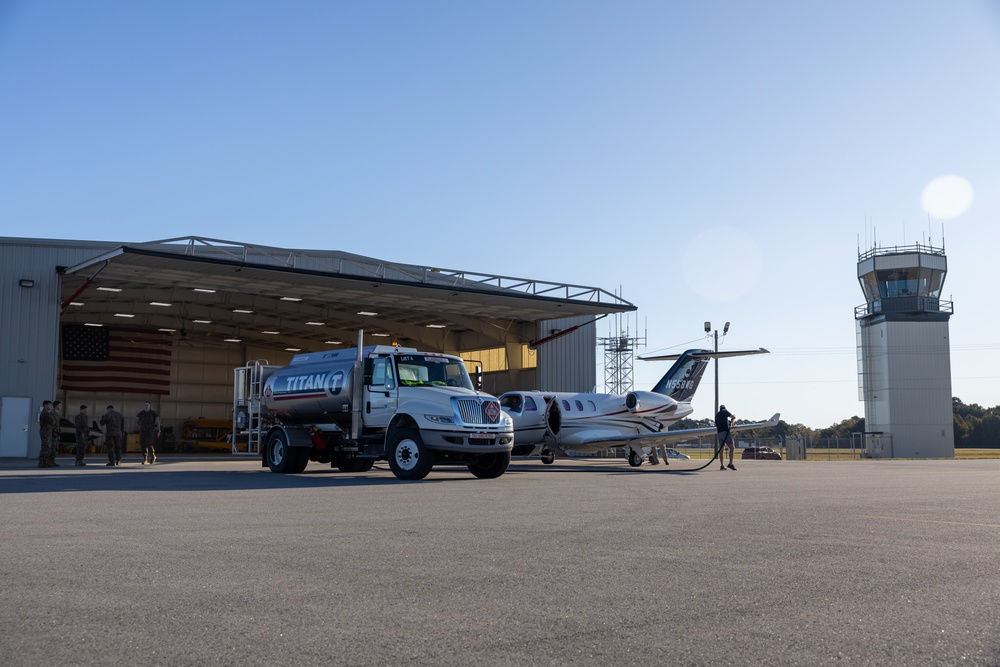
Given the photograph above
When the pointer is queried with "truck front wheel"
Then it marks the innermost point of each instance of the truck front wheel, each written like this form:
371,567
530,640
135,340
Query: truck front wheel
490,466
408,458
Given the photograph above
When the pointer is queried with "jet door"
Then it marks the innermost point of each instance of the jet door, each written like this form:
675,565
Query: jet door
380,393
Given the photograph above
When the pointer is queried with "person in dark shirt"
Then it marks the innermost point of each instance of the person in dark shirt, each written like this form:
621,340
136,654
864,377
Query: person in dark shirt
48,428
81,425
147,422
723,424
114,423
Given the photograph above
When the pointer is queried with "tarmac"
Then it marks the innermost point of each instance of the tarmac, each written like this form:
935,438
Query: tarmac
215,560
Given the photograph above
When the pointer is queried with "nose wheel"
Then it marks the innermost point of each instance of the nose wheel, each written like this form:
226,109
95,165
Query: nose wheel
548,456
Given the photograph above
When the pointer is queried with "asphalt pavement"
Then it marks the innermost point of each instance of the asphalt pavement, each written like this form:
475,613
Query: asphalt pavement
198,561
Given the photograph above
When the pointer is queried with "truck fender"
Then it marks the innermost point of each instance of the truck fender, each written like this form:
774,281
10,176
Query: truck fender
297,436
401,420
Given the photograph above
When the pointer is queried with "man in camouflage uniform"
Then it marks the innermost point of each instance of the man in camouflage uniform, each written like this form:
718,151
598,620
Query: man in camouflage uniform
148,424
48,429
81,423
114,428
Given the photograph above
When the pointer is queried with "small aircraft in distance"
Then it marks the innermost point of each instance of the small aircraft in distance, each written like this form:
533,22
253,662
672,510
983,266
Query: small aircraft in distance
550,424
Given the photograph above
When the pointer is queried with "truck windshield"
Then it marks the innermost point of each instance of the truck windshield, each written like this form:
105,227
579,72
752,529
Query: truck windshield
426,371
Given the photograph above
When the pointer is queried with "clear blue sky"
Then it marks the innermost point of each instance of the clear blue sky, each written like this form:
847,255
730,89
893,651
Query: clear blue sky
718,160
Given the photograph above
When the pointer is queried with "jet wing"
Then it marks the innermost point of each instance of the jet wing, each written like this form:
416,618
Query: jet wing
594,441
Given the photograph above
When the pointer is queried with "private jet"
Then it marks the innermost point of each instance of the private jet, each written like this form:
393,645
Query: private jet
550,424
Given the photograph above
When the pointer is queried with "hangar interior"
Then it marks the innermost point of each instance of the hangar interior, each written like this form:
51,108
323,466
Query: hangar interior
218,304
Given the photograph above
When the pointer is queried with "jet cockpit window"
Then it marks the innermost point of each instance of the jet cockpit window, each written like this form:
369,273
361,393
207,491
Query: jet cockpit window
511,402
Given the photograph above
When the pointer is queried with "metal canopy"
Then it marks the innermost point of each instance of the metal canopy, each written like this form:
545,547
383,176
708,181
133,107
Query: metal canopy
312,299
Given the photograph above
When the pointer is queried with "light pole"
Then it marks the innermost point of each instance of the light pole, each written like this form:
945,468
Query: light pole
708,330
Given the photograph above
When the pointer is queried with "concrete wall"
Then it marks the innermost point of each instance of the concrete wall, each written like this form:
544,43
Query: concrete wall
907,374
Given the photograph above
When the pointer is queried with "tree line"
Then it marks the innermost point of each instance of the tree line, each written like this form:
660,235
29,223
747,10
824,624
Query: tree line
975,426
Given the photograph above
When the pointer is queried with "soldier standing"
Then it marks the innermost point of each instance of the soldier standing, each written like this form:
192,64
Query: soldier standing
48,427
147,422
82,425
114,423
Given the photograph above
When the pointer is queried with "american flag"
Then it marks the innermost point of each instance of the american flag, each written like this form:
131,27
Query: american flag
115,359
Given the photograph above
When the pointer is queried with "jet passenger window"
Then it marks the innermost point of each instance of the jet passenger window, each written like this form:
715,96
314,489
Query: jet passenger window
590,404
566,406
529,404
579,406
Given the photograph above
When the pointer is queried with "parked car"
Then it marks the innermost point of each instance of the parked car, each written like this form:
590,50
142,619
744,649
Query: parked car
761,453
674,454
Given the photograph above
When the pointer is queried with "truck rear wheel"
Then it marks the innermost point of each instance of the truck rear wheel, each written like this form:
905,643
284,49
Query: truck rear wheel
301,461
284,459
490,466
408,458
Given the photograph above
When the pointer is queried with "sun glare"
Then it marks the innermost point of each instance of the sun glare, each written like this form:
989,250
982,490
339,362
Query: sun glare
947,197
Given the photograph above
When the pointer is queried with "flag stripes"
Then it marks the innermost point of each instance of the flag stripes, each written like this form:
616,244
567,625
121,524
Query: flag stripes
115,360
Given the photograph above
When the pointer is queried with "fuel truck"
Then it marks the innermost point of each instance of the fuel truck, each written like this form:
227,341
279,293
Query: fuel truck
352,407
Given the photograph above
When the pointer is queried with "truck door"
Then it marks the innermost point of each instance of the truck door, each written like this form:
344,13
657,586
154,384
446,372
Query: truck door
380,394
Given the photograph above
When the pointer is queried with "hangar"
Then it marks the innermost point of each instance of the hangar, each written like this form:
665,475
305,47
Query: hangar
205,306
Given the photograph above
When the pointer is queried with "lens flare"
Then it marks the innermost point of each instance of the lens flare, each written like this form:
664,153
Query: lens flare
947,197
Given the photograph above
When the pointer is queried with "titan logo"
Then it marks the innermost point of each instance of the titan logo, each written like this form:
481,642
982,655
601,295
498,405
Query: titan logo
329,382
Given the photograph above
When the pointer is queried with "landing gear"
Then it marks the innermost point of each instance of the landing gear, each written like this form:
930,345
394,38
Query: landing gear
634,458
548,456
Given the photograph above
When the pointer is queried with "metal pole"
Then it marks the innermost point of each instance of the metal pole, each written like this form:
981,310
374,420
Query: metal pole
716,373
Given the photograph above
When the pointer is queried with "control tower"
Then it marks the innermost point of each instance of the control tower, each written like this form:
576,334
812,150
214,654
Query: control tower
904,359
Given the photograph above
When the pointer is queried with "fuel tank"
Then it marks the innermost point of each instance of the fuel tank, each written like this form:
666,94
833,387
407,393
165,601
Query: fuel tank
315,388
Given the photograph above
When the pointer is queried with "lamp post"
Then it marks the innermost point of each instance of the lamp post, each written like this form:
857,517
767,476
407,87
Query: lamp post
708,330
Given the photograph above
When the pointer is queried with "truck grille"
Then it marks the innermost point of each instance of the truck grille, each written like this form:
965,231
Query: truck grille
473,412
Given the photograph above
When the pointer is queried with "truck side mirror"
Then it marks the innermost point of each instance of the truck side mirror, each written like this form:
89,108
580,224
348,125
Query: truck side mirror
369,371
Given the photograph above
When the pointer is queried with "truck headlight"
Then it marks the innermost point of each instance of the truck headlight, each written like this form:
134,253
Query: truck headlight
439,419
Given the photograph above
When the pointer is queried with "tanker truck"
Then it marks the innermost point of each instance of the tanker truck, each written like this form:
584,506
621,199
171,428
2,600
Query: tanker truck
354,406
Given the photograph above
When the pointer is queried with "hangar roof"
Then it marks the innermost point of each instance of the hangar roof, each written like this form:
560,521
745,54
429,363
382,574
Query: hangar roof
208,290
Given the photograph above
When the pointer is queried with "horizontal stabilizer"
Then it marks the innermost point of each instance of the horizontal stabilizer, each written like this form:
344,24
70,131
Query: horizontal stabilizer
706,354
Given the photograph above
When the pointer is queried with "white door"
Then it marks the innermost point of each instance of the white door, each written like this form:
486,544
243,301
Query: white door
380,395
15,417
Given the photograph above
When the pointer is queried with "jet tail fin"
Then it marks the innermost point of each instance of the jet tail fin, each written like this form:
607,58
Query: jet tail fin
682,380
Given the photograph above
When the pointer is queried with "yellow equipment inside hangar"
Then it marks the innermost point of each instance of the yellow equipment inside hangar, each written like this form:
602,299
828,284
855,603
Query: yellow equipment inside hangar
166,322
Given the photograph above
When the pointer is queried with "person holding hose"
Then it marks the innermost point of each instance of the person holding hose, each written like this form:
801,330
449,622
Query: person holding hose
723,425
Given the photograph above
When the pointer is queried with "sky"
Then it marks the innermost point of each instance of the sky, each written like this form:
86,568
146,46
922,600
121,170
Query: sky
707,161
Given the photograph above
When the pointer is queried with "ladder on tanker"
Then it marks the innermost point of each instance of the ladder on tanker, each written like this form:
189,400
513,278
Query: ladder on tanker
247,393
